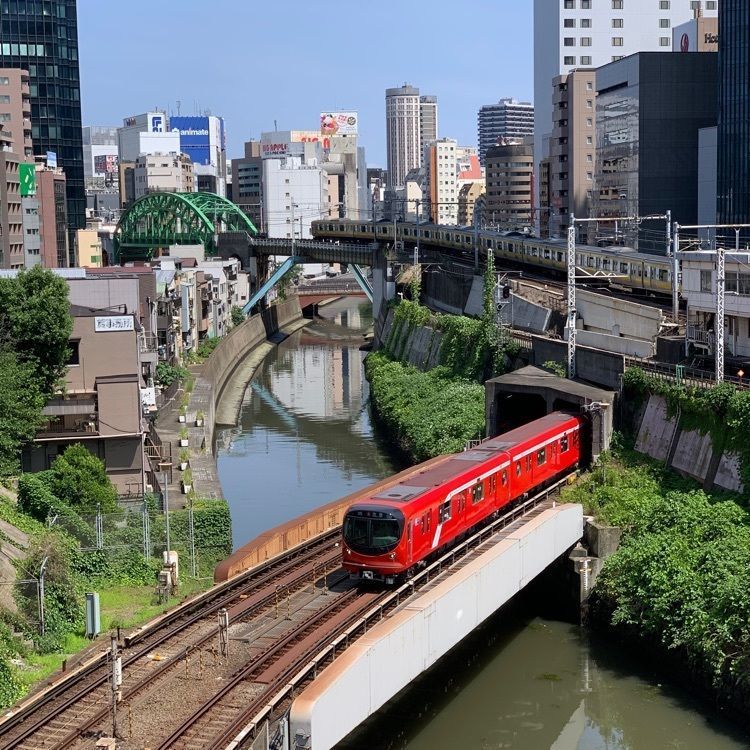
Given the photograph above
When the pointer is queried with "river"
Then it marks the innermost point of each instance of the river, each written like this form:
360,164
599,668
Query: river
305,438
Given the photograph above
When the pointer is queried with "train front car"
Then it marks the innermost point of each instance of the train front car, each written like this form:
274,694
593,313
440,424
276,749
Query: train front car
374,542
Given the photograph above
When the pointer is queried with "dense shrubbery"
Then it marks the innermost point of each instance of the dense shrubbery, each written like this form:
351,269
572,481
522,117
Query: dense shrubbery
167,374
427,413
682,574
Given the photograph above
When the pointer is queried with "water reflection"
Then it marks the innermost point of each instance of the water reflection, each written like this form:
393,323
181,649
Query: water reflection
531,684
304,436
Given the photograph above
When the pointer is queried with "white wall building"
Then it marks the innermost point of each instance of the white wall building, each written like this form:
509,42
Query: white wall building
508,118
590,33
146,134
99,141
699,290
441,170
403,137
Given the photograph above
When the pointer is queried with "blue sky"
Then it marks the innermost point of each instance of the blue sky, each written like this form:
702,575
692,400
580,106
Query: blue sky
255,62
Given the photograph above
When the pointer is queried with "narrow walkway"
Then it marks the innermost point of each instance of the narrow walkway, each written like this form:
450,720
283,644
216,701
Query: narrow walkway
202,460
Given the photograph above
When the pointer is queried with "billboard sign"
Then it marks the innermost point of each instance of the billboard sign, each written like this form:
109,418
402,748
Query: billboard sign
27,177
157,124
195,137
685,37
338,123
105,164
106,324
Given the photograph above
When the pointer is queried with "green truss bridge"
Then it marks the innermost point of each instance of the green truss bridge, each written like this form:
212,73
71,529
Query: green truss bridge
157,221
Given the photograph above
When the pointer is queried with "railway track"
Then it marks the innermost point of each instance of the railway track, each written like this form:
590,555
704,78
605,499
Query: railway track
74,705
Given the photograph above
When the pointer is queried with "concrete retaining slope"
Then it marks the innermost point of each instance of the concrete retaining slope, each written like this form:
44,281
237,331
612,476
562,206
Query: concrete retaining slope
398,649
421,348
689,452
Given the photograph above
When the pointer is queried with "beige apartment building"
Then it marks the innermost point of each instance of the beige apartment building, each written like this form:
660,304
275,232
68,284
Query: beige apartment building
169,173
509,178
100,406
572,145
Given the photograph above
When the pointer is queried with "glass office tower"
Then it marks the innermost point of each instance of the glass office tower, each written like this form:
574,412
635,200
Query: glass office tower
42,37
733,185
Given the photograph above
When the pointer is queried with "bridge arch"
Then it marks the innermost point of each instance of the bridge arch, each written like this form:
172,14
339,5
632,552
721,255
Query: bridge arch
158,220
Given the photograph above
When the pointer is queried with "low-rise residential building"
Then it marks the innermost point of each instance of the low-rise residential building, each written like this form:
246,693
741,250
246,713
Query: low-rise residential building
699,290
89,248
100,405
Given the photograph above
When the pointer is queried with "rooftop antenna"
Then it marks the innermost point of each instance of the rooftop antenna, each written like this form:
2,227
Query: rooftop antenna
179,104
275,126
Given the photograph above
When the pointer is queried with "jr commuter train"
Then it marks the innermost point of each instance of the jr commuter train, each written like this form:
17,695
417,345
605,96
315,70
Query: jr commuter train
638,272
390,534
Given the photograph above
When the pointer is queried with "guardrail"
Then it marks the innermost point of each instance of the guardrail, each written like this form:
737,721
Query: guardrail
684,374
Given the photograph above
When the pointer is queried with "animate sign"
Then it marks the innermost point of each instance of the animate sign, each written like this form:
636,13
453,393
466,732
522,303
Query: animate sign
109,323
709,38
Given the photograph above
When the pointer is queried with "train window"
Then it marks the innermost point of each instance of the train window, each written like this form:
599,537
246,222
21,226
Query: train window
575,438
445,511
528,462
478,492
510,248
662,274
590,261
559,257
541,457
518,468
623,268
605,264
504,477
546,253
563,444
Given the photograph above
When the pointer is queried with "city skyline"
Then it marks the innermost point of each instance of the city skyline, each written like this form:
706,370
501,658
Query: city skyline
118,79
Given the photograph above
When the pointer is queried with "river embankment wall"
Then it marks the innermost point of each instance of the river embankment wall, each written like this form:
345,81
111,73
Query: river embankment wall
213,378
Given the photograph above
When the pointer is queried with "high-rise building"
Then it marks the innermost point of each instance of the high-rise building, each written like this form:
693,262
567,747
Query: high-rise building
247,183
203,139
428,121
572,147
42,37
509,170
569,34
442,180
648,121
403,137
733,168
509,118
15,111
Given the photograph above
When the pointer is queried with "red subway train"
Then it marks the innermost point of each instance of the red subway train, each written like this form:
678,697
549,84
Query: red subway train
391,533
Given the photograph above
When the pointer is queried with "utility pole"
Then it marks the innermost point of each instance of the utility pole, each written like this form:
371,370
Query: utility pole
116,681
40,594
166,507
572,297
720,296
676,271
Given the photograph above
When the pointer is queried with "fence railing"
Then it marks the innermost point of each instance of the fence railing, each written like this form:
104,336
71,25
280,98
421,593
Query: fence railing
684,374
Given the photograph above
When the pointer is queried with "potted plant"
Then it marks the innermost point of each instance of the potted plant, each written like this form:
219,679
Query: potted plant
184,442
199,419
187,481
183,414
184,459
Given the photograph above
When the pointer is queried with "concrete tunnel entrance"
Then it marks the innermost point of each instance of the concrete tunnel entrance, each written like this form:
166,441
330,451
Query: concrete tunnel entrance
530,393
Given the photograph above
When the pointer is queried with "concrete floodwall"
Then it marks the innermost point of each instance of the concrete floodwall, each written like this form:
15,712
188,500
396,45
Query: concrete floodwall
224,360
299,530
691,453
405,644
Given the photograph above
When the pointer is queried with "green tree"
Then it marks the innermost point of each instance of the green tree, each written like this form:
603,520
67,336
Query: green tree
238,316
20,410
80,481
35,323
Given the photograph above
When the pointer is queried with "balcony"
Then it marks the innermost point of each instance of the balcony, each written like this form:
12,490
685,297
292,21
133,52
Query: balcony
696,334
75,426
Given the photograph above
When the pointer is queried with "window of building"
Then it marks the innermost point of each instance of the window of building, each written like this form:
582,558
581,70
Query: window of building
664,23
585,41
585,60
616,4
585,23
589,176
4,81
617,23
617,41
4,98
615,58
589,85
663,4
567,60
664,41
590,103
589,140
710,4
74,357
569,23
589,122
569,41
590,158
570,4
706,281
585,4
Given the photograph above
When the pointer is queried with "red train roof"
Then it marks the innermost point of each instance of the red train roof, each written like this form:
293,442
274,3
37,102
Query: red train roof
462,466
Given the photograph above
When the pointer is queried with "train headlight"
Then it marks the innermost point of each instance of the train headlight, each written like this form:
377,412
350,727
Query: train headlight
348,551
392,555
